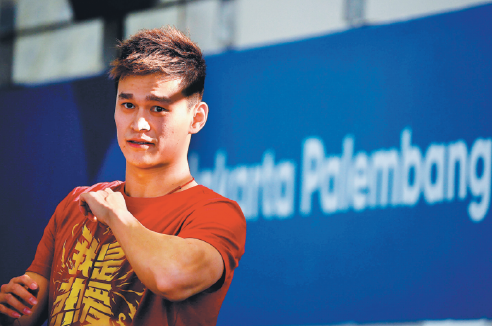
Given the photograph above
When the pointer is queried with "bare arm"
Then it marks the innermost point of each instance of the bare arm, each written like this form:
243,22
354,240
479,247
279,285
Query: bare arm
169,266
18,305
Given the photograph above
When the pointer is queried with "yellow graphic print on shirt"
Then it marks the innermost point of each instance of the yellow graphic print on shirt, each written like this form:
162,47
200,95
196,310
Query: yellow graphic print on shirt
95,284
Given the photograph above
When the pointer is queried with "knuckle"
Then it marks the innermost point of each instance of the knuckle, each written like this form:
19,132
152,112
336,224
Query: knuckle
12,300
9,298
17,288
20,279
6,311
14,303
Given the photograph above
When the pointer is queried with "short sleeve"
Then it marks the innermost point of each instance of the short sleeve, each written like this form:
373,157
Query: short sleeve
44,254
222,225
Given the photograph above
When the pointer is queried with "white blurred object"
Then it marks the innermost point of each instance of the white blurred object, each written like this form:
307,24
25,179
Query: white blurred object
72,52
152,18
216,25
387,11
262,22
198,18
32,13
354,12
445,322
454,322
227,23
202,22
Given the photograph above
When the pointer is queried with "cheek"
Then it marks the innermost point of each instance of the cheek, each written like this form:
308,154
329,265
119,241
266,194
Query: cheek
120,139
161,127
120,128
121,120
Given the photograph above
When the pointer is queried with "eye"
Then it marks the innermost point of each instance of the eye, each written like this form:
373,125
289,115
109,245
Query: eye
128,105
158,109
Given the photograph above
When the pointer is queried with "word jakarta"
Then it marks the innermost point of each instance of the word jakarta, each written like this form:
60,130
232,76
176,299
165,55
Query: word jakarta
383,178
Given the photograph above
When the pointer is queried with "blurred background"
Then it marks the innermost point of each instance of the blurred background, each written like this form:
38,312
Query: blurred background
353,133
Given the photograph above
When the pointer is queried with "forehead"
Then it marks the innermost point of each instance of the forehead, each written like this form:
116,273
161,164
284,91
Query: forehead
157,84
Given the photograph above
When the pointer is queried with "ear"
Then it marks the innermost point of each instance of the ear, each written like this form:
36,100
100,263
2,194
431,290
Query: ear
200,116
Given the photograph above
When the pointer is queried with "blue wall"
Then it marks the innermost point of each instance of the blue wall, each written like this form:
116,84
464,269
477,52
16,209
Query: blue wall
362,161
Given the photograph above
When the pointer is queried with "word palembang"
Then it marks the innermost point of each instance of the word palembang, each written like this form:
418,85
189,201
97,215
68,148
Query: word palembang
394,177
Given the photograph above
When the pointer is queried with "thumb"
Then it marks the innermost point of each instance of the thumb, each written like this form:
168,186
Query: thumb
84,207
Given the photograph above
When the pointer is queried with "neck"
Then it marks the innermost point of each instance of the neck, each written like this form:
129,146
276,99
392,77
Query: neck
158,181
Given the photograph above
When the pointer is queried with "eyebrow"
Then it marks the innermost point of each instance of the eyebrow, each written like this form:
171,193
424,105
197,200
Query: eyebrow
151,97
155,98
125,96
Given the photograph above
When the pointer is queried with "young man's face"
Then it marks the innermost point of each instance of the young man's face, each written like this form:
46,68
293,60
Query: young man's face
153,121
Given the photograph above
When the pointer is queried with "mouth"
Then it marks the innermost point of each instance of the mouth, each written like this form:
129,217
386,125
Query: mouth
139,142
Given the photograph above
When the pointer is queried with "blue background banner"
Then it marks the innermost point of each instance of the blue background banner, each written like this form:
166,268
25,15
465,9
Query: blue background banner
362,161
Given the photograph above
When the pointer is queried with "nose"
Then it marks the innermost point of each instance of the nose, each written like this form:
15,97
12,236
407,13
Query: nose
141,123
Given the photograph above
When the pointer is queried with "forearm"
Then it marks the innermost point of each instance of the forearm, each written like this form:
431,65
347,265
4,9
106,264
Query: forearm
169,266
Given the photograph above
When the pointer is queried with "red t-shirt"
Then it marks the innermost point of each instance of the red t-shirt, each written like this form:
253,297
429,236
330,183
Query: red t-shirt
90,280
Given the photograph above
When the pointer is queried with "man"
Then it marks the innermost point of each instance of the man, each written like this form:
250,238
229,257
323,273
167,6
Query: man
157,249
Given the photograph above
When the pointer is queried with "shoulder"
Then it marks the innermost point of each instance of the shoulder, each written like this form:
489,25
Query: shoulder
76,192
68,209
218,221
212,206
206,196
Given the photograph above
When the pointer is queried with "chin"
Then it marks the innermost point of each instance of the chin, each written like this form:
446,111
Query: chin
140,162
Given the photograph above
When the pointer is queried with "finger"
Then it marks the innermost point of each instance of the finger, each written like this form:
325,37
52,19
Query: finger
102,193
25,294
11,302
109,190
90,197
19,292
26,280
9,312
84,208
91,216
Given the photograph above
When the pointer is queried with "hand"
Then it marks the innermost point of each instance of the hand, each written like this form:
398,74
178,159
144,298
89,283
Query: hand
16,300
102,205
